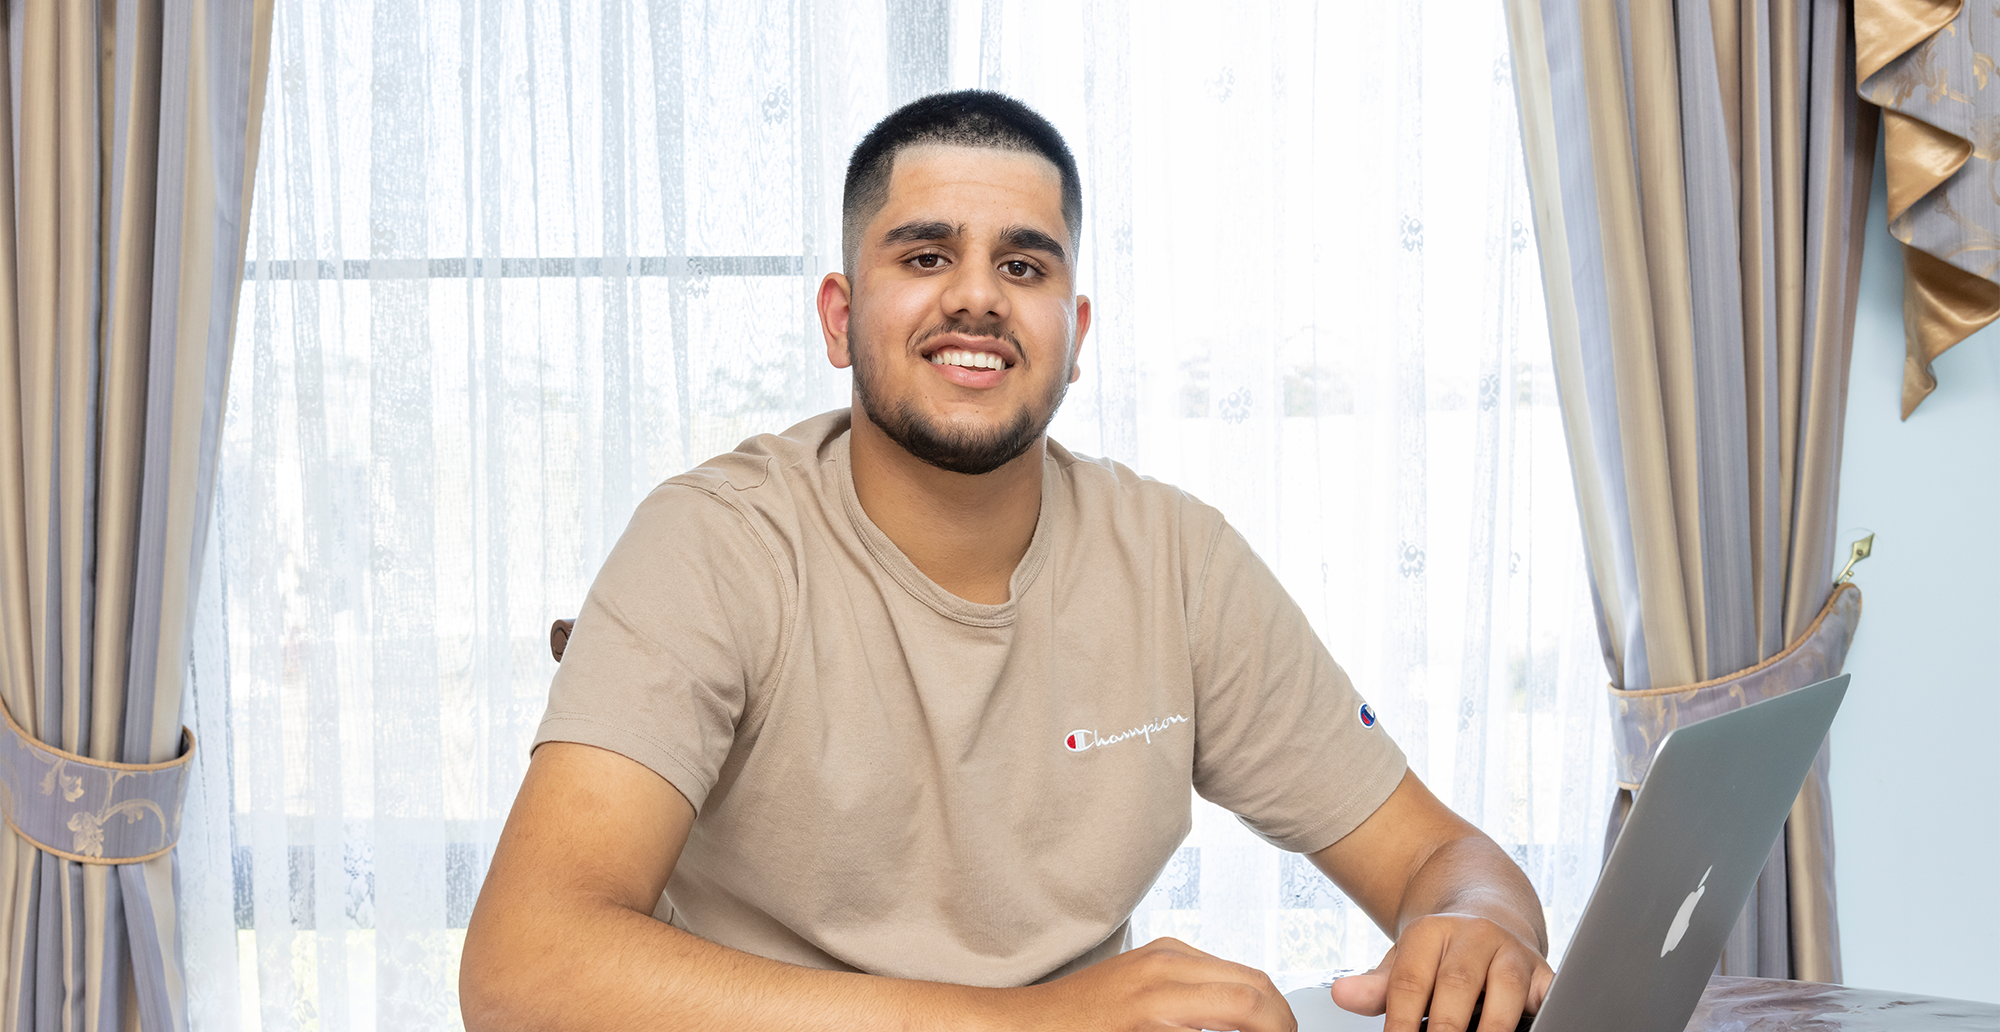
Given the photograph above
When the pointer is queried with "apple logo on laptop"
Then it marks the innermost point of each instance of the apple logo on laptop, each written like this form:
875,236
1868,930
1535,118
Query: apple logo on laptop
1680,925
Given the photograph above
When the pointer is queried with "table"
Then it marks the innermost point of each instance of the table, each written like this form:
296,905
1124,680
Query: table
1749,1005
1775,1005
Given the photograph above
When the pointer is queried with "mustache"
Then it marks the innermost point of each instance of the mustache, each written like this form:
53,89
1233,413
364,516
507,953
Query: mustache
994,330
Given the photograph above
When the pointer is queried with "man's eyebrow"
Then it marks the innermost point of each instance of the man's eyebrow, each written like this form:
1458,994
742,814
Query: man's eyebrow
1028,238
922,231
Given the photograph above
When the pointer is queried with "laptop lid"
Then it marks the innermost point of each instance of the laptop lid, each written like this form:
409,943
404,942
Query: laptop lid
1711,808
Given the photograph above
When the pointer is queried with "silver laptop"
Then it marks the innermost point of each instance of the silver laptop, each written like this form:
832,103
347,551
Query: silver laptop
1692,847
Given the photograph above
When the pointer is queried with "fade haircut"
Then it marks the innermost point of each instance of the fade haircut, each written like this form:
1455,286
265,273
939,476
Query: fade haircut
966,118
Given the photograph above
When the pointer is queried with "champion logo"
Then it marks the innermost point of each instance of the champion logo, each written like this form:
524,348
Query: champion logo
1086,738
1366,715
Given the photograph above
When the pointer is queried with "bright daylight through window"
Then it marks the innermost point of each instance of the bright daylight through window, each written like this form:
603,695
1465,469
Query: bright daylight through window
513,262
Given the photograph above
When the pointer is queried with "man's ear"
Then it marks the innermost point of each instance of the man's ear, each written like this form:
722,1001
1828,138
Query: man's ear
836,301
1082,327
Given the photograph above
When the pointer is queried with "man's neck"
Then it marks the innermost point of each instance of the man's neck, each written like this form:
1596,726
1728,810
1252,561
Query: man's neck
967,533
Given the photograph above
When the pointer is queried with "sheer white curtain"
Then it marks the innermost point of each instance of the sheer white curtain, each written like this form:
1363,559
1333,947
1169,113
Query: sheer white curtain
514,262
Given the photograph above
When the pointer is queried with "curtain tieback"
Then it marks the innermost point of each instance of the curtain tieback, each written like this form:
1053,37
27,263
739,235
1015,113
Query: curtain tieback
106,813
1641,719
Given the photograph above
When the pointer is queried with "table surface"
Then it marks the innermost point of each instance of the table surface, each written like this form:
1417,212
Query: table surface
1774,1005
1753,1005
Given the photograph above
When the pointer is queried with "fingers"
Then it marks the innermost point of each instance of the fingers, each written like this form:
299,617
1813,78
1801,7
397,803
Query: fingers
1462,969
1367,992
1506,996
1538,987
1449,968
1192,989
1445,964
1233,1006
1198,967
1412,979
1516,984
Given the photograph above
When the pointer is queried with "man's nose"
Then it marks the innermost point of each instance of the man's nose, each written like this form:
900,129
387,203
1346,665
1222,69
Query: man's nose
975,292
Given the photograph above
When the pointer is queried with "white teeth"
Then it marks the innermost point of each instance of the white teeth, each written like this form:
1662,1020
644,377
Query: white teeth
968,359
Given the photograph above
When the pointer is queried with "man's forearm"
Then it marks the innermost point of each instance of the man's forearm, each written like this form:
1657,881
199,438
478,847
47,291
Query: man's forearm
619,969
563,938
606,967
1473,876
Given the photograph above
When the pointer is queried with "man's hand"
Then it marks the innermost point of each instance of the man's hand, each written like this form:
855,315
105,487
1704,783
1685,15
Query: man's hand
1165,984
1440,967
1465,919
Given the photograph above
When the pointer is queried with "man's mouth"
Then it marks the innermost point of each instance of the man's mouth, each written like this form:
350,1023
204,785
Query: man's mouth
968,359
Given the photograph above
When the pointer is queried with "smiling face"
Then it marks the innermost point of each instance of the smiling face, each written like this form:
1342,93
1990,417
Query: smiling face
961,322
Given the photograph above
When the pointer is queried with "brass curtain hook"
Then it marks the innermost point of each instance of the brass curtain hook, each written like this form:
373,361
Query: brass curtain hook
1855,553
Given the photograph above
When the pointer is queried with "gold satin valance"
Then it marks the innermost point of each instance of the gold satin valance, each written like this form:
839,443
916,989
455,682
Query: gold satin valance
1930,66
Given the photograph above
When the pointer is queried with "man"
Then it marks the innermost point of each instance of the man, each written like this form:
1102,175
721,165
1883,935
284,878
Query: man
890,721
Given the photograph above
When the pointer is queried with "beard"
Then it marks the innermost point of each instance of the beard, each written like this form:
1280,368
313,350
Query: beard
950,448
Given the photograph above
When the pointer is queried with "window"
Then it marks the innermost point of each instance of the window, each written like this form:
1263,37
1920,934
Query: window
512,263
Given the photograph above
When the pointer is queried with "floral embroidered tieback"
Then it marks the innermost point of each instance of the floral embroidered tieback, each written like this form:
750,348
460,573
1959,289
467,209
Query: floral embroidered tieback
90,811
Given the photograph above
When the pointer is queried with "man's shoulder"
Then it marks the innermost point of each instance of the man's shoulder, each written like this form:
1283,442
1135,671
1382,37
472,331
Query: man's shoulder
760,490
761,461
1110,494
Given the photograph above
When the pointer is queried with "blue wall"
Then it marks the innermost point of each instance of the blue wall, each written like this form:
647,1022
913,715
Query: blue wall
1916,812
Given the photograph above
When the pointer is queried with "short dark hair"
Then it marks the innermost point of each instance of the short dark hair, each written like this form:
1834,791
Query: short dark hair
966,118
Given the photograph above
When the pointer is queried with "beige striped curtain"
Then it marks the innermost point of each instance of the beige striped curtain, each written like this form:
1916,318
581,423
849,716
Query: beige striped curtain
1929,64
132,130
1700,179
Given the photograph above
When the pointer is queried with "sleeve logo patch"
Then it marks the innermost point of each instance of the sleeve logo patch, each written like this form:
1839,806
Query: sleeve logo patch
1366,714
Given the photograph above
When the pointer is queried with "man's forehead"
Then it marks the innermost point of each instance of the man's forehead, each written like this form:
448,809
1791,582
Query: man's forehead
976,154
924,167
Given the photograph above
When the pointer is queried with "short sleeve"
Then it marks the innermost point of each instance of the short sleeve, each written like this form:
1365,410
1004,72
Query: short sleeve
1282,739
685,619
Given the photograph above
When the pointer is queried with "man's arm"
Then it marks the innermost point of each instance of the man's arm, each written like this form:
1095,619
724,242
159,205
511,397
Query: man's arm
1464,918
563,937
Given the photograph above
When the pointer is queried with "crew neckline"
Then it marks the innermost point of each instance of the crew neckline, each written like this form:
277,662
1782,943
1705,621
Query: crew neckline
919,584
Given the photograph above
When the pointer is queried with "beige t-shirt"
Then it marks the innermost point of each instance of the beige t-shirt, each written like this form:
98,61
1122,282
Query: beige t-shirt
891,779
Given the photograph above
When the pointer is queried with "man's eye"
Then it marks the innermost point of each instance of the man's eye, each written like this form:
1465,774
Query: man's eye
928,261
1019,268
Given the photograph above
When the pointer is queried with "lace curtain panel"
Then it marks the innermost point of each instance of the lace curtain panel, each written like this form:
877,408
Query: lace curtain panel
513,263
